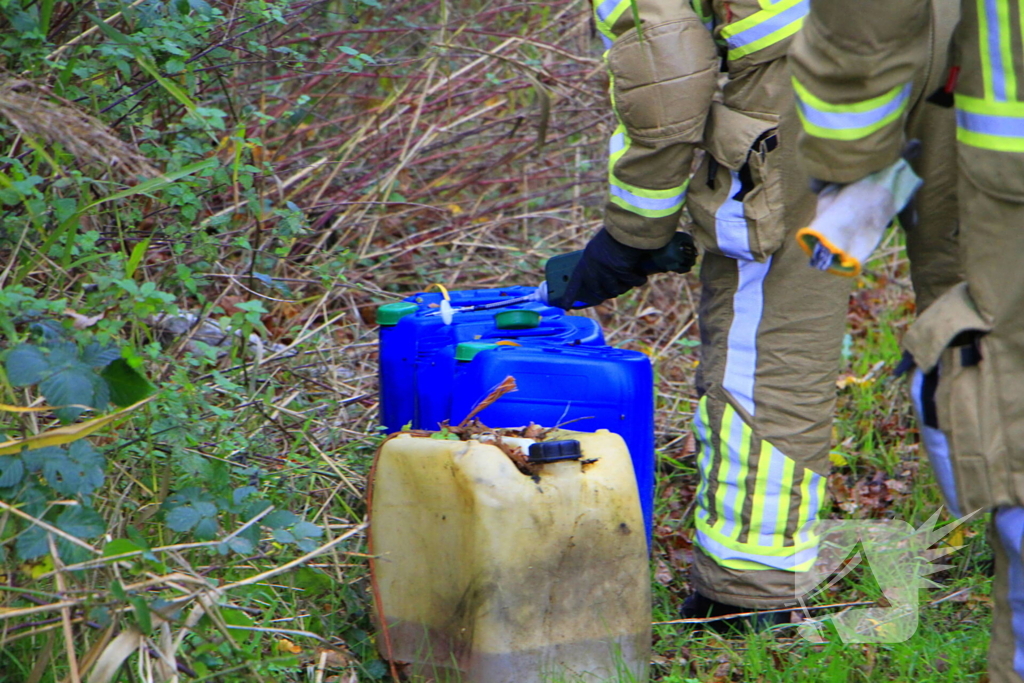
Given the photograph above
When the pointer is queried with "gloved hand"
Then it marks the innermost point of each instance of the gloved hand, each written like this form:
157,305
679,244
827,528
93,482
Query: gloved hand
607,269
851,219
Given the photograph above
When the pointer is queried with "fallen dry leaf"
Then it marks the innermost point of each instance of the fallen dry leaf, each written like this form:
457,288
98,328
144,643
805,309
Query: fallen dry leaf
723,673
332,658
662,573
285,645
82,322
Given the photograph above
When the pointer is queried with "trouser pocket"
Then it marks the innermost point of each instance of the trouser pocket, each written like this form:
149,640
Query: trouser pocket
964,410
950,345
736,197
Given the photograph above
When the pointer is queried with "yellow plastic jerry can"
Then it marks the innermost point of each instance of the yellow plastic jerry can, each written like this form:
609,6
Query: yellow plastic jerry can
486,574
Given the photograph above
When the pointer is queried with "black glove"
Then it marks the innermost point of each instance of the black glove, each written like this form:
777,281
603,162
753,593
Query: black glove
607,269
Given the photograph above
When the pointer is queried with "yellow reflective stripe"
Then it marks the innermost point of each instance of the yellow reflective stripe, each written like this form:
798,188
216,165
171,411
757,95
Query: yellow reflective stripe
990,124
765,27
995,143
745,436
1006,50
607,12
706,456
730,553
772,499
639,200
863,106
760,493
852,121
983,48
785,492
802,520
724,465
978,105
706,18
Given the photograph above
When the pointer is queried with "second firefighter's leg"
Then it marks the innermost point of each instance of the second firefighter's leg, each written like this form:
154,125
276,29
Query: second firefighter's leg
1006,650
771,341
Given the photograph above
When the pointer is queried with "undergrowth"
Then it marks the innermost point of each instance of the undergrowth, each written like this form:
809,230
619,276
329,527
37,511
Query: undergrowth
201,205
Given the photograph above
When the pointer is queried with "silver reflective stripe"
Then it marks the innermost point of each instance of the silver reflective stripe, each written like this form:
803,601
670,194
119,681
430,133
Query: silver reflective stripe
991,124
741,345
995,53
651,204
936,446
852,120
1010,526
731,224
616,143
605,9
769,25
723,552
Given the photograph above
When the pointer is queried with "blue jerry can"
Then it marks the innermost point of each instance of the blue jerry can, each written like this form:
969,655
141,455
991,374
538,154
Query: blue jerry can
584,388
417,349
565,373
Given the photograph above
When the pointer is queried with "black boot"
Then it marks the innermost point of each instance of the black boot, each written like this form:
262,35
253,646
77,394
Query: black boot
696,606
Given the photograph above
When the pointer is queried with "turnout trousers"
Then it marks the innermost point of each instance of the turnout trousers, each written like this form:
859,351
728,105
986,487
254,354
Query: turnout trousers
968,393
772,329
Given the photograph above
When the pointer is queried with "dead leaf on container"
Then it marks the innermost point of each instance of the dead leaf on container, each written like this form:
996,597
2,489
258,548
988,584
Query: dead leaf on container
506,385
533,431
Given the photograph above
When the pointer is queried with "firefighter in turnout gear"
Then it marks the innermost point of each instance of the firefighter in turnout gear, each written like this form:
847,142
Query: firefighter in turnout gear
715,77
852,64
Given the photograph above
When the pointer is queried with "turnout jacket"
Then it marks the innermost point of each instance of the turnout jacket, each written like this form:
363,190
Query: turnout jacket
709,75
852,70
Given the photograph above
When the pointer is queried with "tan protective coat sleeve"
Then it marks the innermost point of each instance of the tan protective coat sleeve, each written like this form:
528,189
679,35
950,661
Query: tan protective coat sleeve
854,65
663,77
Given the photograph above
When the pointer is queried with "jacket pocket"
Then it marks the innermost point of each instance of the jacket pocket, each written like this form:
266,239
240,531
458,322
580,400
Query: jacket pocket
950,338
663,80
736,197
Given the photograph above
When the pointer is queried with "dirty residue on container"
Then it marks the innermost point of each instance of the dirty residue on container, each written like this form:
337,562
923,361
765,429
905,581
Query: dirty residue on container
500,557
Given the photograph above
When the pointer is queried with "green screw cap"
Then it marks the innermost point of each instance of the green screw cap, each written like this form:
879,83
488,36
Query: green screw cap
517,320
467,350
390,314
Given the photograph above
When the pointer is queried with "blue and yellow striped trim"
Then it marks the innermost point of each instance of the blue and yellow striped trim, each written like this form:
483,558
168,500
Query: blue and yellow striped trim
989,124
764,28
849,121
785,499
639,200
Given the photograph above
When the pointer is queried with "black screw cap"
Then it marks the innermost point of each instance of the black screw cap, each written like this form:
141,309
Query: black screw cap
554,451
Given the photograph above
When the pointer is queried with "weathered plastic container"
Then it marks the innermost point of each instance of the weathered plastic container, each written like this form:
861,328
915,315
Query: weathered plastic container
417,349
489,575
